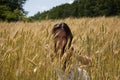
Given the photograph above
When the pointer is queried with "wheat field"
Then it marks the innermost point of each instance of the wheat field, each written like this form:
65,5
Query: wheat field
26,49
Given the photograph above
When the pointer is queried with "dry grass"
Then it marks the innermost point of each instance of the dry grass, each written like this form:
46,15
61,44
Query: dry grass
26,51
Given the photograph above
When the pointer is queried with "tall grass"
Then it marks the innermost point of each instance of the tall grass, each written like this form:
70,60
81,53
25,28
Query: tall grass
26,49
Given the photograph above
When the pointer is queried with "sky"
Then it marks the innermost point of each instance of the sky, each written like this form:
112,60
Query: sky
33,6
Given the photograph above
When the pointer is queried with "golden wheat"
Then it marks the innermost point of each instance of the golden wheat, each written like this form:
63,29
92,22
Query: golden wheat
26,51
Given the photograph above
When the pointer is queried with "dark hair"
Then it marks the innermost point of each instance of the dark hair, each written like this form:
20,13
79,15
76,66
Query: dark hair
64,27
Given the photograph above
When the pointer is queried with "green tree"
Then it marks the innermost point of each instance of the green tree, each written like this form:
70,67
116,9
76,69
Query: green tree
11,10
3,11
82,8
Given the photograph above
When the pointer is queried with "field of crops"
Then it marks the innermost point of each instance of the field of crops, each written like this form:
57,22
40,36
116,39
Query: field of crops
26,49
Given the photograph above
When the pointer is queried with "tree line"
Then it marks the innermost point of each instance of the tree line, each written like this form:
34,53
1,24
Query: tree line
12,10
81,8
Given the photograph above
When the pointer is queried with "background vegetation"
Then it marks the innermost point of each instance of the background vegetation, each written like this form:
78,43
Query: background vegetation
82,8
26,49
12,10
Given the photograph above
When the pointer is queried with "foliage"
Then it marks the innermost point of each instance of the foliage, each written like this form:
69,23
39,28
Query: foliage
82,8
12,10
